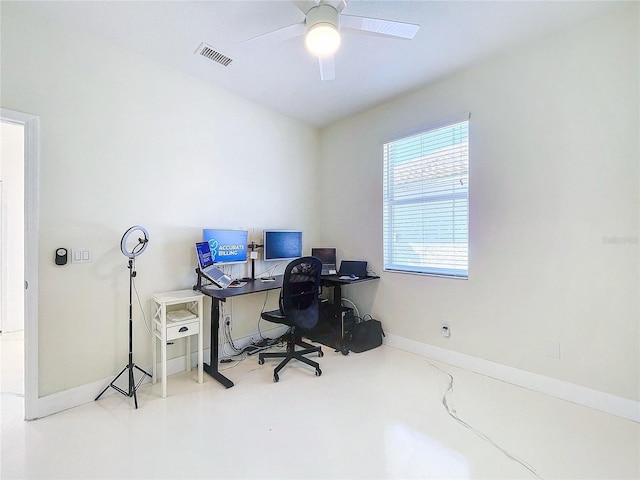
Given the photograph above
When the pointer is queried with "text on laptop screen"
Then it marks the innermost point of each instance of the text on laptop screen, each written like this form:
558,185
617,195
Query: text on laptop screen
227,246
204,255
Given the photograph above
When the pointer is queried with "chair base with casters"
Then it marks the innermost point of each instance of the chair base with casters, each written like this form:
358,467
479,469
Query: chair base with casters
293,354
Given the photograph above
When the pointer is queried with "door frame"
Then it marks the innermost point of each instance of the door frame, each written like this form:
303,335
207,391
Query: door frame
31,125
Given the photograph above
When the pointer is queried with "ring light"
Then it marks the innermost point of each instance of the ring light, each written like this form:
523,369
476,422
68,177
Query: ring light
141,245
131,367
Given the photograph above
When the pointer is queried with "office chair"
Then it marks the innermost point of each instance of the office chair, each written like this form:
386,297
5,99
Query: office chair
299,310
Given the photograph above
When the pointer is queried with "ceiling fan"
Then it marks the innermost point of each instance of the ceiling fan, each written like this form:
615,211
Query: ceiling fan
322,26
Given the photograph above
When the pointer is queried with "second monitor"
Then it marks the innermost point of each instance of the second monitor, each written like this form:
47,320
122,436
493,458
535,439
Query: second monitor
282,244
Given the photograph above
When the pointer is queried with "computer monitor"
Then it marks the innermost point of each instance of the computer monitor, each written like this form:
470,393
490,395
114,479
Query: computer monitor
282,244
227,246
328,258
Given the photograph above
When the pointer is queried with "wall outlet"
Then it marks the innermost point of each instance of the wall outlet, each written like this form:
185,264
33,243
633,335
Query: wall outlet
446,330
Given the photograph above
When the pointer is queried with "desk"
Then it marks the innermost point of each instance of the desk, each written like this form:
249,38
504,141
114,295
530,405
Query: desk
336,283
221,295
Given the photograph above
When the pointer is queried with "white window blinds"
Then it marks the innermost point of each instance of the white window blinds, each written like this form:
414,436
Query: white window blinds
426,201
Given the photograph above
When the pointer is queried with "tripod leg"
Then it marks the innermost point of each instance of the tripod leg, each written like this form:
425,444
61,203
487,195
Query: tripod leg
135,399
105,389
132,385
116,377
144,372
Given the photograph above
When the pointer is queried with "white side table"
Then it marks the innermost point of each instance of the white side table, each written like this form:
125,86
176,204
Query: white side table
182,323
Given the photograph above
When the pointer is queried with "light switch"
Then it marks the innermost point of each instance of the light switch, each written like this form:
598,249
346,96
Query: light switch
81,255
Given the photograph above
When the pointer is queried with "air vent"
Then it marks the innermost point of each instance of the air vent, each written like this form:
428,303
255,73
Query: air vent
207,51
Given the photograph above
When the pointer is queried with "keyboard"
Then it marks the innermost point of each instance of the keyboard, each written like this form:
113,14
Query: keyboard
217,276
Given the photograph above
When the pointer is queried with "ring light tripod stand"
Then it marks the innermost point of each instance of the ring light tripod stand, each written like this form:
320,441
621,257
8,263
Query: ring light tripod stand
131,254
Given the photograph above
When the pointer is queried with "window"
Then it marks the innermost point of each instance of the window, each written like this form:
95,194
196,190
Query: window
426,201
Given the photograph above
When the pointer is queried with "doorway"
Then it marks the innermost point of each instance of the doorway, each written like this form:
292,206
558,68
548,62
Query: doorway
12,227
12,268
19,172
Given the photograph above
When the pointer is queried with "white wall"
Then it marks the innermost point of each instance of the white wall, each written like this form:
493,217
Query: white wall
12,226
554,196
126,141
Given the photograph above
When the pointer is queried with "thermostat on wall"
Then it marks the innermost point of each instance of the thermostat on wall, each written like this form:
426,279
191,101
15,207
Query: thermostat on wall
61,256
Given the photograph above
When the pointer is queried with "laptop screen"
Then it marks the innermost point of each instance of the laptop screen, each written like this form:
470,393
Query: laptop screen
355,267
204,255
326,255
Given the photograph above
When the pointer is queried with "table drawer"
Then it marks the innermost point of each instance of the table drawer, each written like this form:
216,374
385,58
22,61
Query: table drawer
182,330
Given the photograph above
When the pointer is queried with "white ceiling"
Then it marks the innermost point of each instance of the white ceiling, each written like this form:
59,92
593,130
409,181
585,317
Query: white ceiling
370,70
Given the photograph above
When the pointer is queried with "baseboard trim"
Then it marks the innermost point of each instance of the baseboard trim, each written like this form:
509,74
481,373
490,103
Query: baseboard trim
605,402
74,397
580,395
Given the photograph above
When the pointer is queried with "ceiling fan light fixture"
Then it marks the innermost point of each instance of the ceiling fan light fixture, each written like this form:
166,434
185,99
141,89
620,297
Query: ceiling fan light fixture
322,40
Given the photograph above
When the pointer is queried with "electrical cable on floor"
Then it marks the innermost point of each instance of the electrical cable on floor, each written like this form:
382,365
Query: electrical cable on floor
231,361
447,401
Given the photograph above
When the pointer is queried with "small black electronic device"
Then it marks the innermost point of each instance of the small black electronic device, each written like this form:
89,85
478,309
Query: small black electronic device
61,256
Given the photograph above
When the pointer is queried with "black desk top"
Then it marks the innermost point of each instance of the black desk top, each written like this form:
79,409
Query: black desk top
252,286
257,285
335,279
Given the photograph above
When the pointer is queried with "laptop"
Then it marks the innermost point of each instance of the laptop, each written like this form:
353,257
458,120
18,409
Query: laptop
328,258
358,268
207,269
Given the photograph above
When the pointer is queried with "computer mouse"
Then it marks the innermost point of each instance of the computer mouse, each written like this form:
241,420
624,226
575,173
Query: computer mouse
352,276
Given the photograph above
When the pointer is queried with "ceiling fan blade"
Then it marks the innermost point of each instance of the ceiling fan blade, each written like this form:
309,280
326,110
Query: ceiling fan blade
277,36
327,68
375,26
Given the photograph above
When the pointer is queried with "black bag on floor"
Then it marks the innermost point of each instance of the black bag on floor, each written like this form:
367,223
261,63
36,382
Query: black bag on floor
366,335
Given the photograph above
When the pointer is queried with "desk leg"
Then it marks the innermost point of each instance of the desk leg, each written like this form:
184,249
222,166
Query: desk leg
337,301
337,295
212,367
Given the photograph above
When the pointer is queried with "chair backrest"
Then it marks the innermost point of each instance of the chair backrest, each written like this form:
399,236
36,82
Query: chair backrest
300,287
